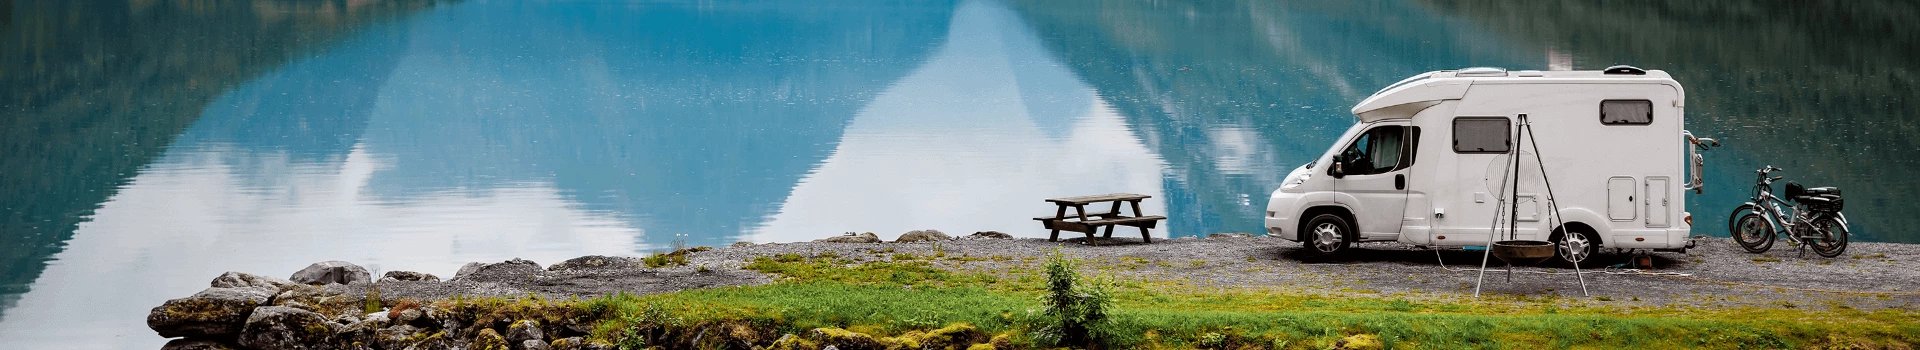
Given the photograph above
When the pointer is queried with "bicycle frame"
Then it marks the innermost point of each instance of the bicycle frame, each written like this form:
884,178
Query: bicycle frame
1770,208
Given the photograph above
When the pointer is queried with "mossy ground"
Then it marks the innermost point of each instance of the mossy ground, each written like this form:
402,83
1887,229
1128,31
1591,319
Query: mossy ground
903,300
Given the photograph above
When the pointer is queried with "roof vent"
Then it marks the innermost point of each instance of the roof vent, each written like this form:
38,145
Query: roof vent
1482,72
1625,70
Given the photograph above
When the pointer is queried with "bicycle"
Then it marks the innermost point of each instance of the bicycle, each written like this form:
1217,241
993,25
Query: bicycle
1815,221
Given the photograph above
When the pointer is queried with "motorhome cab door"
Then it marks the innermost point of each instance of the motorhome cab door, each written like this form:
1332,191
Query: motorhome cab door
1375,185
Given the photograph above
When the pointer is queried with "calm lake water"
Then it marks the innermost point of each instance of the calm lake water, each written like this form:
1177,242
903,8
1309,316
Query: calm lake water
151,145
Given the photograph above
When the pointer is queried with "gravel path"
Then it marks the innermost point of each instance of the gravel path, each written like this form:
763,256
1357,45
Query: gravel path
1716,273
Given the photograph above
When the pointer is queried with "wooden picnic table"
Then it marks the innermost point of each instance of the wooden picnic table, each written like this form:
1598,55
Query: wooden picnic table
1088,223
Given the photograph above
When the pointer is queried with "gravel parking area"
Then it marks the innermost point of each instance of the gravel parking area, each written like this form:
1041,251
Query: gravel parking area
1715,273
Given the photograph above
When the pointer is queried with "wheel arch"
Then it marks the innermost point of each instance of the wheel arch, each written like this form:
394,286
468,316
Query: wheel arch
1353,227
1569,217
1593,233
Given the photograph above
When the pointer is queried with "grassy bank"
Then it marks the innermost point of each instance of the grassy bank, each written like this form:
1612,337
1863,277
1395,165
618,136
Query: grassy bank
900,301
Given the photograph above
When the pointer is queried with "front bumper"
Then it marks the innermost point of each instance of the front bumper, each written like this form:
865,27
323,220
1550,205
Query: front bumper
1283,215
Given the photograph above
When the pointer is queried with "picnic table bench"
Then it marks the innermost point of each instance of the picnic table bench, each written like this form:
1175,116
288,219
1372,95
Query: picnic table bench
1088,223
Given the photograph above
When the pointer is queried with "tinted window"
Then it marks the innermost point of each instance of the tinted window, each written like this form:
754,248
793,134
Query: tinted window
1481,135
1626,112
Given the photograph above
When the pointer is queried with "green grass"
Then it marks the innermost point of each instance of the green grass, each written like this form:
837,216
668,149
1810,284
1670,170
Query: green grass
910,297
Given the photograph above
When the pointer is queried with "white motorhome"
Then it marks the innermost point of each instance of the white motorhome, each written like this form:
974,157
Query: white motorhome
1428,164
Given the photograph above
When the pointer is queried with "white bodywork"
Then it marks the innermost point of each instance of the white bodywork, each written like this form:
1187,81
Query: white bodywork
1624,181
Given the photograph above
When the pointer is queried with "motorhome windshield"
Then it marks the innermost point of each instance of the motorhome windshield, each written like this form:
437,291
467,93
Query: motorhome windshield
1332,149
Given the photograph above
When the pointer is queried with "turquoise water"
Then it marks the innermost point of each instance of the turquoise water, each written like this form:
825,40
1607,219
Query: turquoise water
150,146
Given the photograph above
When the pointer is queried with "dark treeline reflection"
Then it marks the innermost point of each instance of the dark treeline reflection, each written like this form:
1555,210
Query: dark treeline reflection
1824,89
1233,94
91,91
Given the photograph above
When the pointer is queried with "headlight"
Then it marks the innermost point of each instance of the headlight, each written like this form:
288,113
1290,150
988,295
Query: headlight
1296,180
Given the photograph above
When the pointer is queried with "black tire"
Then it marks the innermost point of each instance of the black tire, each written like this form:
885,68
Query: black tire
1326,235
1752,232
1565,242
1833,237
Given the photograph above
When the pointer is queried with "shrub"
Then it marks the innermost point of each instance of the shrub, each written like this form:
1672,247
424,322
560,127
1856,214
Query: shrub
1077,311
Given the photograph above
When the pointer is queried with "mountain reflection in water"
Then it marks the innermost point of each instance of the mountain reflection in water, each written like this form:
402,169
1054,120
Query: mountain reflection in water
420,135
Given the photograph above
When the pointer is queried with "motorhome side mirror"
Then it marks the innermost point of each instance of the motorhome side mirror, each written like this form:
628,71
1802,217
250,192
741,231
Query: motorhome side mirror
1337,171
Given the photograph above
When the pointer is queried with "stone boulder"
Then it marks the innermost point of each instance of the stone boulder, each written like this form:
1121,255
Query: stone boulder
409,276
469,268
922,236
510,270
568,343
851,237
532,345
198,344
280,327
365,332
989,235
396,337
741,244
306,297
233,279
523,331
593,262
211,312
488,339
332,272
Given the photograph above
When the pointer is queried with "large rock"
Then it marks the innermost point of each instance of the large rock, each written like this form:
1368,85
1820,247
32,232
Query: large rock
569,343
510,270
280,327
211,312
523,331
409,276
198,344
233,279
488,339
593,262
366,332
851,237
989,235
922,236
332,272
467,269
396,337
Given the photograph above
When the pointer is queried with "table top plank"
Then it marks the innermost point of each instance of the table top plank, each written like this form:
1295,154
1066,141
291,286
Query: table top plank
1081,200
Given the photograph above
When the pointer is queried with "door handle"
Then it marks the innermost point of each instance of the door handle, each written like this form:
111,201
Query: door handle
1399,181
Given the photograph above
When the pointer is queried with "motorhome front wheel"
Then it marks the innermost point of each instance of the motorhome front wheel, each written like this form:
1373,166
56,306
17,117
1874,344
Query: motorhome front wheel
1327,234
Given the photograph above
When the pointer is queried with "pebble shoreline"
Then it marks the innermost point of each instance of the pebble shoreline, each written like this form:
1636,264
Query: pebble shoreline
242,310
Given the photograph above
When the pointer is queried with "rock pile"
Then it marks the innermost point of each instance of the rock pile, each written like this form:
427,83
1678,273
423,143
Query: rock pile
315,310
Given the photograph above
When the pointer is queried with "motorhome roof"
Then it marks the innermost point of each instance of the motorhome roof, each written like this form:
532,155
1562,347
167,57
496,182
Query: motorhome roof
1409,96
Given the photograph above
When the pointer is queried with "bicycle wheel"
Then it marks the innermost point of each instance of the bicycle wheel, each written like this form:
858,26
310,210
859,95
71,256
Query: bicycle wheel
1753,233
1830,239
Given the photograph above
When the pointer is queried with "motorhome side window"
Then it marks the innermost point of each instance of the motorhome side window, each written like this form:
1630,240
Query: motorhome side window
1626,112
1379,150
1481,135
